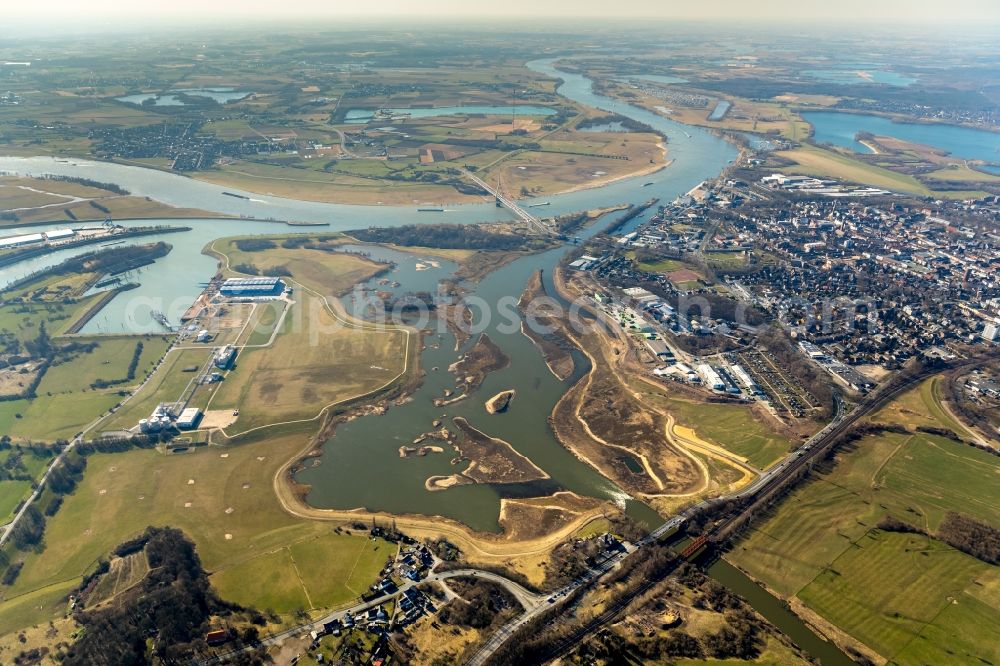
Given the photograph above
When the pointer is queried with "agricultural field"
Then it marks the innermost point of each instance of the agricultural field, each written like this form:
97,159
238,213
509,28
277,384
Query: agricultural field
69,396
911,476
262,323
961,173
913,598
299,140
322,269
11,493
303,576
662,266
922,408
223,499
821,545
571,157
23,320
775,117
16,465
321,186
315,360
109,361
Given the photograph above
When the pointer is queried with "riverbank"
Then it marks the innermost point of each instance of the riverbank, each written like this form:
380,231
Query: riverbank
17,256
233,527
608,180
824,631
518,544
901,119
553,347
94,309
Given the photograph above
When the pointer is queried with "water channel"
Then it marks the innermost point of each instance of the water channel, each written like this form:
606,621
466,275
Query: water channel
778,614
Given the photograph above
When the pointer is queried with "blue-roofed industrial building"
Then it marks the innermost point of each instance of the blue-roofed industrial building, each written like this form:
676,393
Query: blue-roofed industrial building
252,287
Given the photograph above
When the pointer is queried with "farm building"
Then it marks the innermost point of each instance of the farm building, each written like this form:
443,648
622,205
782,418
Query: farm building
256,287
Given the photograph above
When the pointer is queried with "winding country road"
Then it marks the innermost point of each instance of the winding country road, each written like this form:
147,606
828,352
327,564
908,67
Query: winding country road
528,600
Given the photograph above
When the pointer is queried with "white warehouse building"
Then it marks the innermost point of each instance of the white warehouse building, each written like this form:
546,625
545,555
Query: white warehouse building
189,418
59,234
711,377
744,378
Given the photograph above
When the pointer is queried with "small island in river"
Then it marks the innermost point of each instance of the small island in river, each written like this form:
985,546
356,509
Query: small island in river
492,460
500,401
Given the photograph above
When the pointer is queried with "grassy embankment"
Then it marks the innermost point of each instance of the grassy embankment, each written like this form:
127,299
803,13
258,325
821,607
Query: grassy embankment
732,427
46,200
909,597
822,163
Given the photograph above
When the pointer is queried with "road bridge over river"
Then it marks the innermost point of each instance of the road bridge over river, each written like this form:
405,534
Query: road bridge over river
533,222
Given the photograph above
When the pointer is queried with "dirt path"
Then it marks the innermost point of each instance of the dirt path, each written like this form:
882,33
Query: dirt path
680,443
704,471
973,433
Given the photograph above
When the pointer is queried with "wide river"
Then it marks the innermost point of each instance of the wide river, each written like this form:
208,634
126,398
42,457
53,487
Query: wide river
361,466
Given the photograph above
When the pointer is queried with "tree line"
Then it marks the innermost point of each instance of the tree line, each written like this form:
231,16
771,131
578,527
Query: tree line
444,236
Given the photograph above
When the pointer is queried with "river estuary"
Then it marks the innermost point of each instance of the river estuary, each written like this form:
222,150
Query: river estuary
360,466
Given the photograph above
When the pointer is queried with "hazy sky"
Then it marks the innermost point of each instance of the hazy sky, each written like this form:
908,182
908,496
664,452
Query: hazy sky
932,11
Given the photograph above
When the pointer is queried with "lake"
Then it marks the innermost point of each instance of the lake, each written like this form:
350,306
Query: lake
965,142
361,116
172,98
861,75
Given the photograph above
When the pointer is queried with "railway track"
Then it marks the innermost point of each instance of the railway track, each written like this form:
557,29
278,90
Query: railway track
759,491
